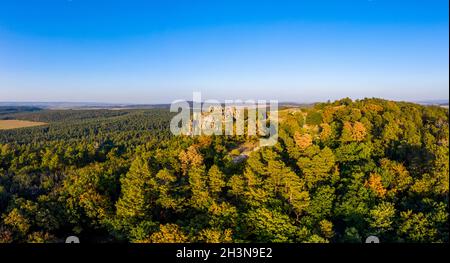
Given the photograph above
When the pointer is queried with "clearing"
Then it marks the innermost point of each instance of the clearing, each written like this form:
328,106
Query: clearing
14,124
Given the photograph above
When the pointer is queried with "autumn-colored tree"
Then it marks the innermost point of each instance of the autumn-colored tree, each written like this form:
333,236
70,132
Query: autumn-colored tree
325,132
358,132
395,176
347,132
375,184
303,141
190,158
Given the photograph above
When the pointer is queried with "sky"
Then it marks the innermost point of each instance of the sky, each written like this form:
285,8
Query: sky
160,51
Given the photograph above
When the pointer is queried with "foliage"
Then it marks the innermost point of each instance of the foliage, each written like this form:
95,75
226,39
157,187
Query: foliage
341,171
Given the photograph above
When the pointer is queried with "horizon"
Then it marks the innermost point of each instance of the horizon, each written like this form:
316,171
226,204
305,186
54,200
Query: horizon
147,53
97,103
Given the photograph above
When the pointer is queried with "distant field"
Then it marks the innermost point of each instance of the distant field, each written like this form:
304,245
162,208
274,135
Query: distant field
14,124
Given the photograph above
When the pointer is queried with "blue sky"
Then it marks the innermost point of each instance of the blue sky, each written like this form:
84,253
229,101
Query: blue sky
159,51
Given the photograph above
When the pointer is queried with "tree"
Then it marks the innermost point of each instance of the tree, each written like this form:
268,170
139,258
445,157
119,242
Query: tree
395,176
200,197
374,183
322,201
314,118
326,229
137,194
19,223
215,236
325,132
303,141
382,217
353,132
216,180
415,227
168,233
265,225
347,132
190,158
167,190
318,166
87,194
359,131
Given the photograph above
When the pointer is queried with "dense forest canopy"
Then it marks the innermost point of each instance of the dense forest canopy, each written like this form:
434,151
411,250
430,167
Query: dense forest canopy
15,109
341,171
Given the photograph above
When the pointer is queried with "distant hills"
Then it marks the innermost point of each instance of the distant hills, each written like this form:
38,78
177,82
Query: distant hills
80,105
15,109
11,107
93,105
434,102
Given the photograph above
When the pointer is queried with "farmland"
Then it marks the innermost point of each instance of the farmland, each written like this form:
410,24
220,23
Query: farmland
15,124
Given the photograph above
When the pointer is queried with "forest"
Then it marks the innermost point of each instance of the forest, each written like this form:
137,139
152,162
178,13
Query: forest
340,172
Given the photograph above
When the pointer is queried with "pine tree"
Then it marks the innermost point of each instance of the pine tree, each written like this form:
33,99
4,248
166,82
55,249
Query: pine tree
136,196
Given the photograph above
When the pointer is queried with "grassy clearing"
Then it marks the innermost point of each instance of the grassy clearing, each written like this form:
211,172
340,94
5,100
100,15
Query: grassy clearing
15,124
